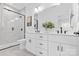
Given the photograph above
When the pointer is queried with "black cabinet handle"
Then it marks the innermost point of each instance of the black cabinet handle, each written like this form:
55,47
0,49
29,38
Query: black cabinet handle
12,28
41,36
62,49
41,44
57,48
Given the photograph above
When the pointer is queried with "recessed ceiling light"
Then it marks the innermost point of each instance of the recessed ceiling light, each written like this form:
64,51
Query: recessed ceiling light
40,8
36,10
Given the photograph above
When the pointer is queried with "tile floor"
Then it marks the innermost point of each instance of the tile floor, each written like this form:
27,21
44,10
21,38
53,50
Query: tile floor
15,51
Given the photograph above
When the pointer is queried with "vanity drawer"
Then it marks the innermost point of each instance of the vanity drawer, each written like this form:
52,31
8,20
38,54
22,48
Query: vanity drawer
63,39
42,37
41,44
41,52
31,36
54,38
69,39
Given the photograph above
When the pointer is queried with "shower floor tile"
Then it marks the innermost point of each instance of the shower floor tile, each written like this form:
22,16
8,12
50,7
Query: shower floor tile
15,51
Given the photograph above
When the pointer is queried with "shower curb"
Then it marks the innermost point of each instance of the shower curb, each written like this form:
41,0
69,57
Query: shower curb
9,45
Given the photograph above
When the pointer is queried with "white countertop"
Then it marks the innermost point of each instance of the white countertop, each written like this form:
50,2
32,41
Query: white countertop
52,34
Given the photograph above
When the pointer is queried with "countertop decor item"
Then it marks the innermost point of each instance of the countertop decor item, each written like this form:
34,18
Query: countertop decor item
77,33
48,25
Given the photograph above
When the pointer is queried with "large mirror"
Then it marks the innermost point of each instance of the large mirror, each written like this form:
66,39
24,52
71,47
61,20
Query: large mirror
59,14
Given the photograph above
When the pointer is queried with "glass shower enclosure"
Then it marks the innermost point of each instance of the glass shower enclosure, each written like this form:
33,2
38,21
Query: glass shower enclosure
12,25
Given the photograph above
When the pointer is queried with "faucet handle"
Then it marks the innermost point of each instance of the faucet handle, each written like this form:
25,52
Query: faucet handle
57,31
65,32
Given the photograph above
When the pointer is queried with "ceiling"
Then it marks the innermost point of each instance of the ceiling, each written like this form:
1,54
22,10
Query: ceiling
20,6
29,8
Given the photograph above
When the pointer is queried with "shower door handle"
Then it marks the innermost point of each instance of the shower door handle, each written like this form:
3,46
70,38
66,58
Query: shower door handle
21,29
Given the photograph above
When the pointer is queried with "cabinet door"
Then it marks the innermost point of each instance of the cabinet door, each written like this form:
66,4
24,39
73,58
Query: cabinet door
28,44
33,45
54,49
68,50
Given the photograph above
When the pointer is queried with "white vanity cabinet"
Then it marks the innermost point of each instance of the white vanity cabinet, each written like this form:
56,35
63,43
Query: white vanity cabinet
31,43
59,49
28,44
60,46
41,45
54,49
68,50
37,44
52,44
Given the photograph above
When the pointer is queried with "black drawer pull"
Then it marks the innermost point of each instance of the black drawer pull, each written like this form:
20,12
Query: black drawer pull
62,49
41,44
40,52
41,36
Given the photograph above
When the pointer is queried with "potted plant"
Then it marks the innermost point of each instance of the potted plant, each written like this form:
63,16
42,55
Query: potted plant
48,25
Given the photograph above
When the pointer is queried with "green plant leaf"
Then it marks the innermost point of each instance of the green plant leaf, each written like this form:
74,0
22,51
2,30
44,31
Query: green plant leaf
48,24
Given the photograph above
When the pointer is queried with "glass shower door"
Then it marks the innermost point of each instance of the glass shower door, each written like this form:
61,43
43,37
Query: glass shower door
12,27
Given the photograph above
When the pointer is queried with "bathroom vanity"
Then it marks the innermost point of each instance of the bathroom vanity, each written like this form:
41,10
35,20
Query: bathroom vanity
55,44
41,44
63,45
